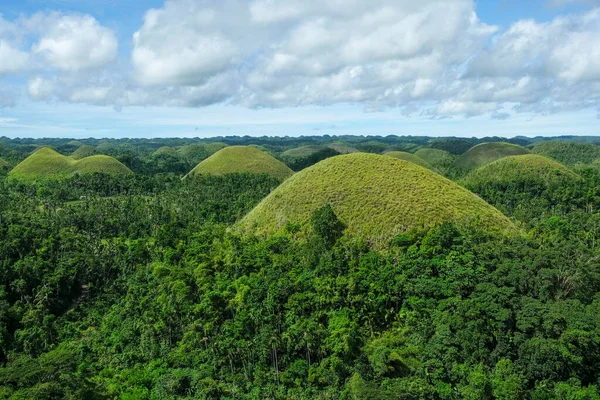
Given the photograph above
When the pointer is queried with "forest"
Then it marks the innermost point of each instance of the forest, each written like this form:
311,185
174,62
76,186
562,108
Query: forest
141,286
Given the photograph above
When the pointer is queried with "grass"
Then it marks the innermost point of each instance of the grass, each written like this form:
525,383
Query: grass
83,152
46,163
436,158
485,153
376,197
528,167
237,159
403,155
568,153
343,148
303,151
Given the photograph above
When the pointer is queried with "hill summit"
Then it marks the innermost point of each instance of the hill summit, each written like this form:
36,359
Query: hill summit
239,159
376,197
485,153
403,155
46,163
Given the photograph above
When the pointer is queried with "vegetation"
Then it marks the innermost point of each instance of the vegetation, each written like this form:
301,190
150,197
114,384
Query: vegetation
195,153
486,153
402,155
568,153
375,197
3,164
83,152
239,159
140,287
304,157
439,159
166,150
46,163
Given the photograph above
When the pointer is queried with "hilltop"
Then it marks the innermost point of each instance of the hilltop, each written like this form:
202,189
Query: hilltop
83,152
166,150
343,148
403,155
376,197
46,163
568,153
194,153
486,153
239,159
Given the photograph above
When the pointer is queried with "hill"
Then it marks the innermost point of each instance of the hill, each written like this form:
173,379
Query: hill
237,159
343,148
46,163
403,155
486,153
528,167
194,153
166,150
437,158
303,151
376,197
568,153
83,152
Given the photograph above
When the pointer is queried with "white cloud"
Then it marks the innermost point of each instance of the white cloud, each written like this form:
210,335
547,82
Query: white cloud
73,42
11,59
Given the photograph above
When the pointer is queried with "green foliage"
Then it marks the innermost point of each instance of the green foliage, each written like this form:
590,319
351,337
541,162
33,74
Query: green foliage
242,159
402,155
342,148
376,197
439,159
46,163
486,153
568,153
326,225
303,157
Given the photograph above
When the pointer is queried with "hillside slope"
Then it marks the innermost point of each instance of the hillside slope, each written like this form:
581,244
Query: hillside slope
376,197
486,153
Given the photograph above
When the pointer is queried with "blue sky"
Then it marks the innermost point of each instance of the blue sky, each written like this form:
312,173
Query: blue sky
72,68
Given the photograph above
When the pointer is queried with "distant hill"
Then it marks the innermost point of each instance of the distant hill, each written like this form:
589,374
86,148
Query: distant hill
486,153
437,158
376,197
194,153
46,163
342,148
83,152
303,151
239,159
166,150
402,155
569,153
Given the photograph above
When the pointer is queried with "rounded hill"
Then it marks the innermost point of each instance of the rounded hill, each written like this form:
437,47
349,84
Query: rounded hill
166,150
304,151
486,153
376,197
84,151
568,153
437,158
240,159
46,163
343,148
403,155
524,168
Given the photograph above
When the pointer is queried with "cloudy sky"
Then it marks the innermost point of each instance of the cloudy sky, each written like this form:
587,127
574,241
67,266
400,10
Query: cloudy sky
120,68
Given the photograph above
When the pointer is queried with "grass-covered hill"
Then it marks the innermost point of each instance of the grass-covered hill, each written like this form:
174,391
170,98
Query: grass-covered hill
194,153
83,152
524,187
568,153
46,163
528,167
376,197
240,159
486,153
343,148
304,151
166,150
437,158
403,155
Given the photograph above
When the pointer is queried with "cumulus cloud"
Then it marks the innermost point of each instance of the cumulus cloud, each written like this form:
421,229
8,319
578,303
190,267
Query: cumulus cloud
73,42
11,58
432,57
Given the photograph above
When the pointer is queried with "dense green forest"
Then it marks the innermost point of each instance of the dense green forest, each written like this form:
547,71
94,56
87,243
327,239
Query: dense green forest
137,287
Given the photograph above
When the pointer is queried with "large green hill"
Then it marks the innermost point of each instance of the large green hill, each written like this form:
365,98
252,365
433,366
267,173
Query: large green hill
46,163
568,153
486,153
403,155
238,159
376,197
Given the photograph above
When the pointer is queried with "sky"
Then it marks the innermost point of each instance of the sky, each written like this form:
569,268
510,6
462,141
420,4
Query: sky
202,68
